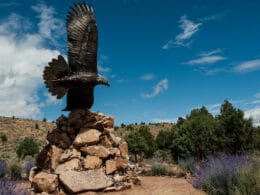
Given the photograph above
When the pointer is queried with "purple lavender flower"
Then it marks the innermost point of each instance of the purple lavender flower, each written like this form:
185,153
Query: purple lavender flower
28,165
3,168
218,174
8,187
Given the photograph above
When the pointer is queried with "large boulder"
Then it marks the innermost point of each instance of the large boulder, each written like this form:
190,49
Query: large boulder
45,182
110,166
68,165
115,140
76,182
104,141
87,136
99,151
55,154
92,162
123,147
121,163
69,154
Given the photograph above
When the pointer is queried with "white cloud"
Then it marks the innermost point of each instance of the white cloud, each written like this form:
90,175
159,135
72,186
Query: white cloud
254,114
212,17
23,57
215,70
248,66
164,120
49,27
189,28
207,58
9,4
157,89
244,105
51,100
103,69
168,45
147,77
103,59
214,108
257,95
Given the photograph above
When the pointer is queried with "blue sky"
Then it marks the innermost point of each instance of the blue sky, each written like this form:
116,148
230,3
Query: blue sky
162,58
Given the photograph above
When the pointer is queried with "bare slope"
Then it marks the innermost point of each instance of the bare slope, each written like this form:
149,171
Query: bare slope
17,129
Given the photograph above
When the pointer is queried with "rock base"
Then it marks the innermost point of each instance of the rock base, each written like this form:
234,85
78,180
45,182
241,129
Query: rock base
82,155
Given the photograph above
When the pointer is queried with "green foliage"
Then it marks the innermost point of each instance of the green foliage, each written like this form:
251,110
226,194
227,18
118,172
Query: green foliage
200,134
15,171
129,127
28,146
228,174
122,125
149,140
234,132
136,143
163,155
247,180
44,120
3,137
159,170
188,164
194,136
164,139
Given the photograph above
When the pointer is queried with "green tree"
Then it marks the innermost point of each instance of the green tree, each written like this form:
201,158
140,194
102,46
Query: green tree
149,140
28,146
164,139
194,136
136,143
235,133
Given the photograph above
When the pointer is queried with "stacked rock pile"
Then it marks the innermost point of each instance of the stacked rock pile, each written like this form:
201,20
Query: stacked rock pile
83,155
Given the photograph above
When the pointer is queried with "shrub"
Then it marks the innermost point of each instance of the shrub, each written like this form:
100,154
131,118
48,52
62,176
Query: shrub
44,120
248,180
15,171
8,187
27,147
188,164
3,137
222,175
163,155
159,170
3,168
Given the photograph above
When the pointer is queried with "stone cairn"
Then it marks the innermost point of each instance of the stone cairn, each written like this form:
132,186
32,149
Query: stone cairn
82,155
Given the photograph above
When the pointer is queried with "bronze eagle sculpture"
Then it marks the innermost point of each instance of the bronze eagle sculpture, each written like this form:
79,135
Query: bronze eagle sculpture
79,76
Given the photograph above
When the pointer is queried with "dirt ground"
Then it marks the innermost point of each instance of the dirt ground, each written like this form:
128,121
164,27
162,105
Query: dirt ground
153,186
160,186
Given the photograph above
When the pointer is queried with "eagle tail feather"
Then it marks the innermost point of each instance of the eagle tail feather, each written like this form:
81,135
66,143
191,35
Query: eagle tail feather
57,68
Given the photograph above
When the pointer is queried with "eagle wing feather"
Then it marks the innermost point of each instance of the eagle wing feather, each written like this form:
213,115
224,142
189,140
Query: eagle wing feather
82,39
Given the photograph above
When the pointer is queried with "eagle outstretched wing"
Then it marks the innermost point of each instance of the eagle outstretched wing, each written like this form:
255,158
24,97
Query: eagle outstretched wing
82,39
79,76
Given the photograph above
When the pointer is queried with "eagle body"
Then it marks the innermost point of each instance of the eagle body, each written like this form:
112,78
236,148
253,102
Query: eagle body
79,76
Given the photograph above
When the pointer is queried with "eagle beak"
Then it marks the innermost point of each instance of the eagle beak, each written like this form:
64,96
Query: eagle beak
103,81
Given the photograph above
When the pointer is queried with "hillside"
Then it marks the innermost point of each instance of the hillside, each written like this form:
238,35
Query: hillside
16,129
155,128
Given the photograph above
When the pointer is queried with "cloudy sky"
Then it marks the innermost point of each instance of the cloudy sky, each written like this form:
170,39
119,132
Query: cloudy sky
162,58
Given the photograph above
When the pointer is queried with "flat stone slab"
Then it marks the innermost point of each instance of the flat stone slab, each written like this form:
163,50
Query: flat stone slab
75,181
87,136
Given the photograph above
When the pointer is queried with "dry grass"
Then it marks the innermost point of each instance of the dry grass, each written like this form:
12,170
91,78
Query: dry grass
17,129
